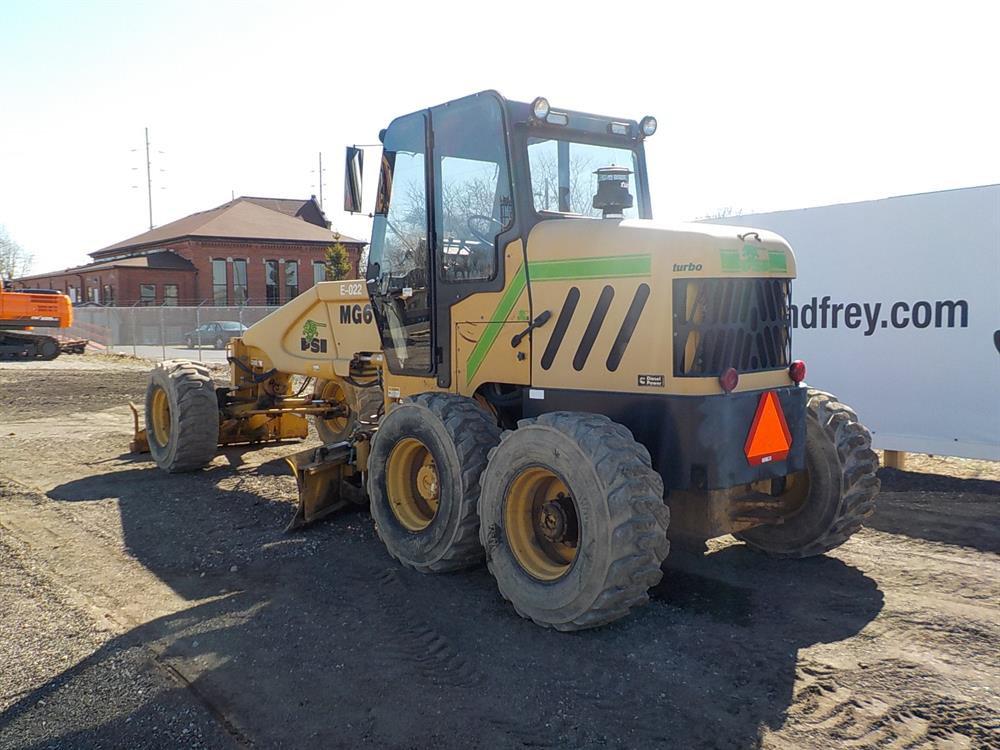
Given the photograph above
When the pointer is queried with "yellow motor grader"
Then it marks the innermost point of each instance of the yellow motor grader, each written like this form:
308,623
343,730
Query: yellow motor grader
535,374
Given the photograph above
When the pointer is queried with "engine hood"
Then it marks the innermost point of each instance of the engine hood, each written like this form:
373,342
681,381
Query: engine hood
679,248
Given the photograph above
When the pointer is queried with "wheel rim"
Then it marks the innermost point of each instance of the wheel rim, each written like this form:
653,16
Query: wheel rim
542,523
333,392
796,490
793,496
412,484
161,416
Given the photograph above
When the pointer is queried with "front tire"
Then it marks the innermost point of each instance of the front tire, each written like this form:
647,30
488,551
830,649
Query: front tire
425,464
182,415
573,520
838,488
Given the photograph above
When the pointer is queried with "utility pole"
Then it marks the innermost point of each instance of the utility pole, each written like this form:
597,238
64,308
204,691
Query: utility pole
149,180
320,180
149,177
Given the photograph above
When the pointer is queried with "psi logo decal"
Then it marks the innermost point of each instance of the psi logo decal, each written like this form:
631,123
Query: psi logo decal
311,342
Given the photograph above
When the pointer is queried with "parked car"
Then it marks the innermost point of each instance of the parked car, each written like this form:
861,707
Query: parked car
216,333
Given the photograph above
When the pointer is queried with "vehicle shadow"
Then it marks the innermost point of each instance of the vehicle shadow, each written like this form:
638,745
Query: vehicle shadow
323,640
937,508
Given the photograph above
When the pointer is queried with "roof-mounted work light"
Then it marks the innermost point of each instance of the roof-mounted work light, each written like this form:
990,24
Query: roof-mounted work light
647,125
540,108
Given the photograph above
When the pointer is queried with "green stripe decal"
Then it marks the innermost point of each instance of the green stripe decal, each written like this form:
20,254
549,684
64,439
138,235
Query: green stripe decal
750,259
497,320
578,269
612,267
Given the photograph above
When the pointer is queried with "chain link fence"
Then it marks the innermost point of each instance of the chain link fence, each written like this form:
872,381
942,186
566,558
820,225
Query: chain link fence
164,332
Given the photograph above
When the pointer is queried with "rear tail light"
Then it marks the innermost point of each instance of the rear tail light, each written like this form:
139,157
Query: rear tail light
797,371
729,379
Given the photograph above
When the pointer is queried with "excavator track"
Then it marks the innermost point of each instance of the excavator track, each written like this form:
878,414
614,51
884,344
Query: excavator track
21,345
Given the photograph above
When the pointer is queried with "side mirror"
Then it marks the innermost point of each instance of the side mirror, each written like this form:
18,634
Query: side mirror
353,169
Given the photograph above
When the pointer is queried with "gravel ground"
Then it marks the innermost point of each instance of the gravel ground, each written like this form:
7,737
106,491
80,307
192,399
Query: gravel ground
67,682
118,578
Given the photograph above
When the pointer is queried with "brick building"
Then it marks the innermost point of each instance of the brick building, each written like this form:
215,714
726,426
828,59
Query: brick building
259,251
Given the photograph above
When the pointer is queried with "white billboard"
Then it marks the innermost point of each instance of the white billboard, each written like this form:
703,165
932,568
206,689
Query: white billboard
896,309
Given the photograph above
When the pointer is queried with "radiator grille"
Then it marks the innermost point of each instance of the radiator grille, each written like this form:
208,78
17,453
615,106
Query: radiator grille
723,323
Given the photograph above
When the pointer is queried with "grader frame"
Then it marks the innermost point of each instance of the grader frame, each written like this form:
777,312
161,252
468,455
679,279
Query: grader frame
534,388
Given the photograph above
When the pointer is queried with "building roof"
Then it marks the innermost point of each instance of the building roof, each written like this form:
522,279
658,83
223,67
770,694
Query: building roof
164,260
307,210
244,219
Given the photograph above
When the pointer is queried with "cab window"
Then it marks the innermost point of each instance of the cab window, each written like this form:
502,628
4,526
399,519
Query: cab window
398,262
473,193
563,178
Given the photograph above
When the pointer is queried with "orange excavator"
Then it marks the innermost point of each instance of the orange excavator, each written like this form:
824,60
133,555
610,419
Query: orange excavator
23,311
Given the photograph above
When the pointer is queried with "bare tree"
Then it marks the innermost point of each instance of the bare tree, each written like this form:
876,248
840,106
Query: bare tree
582,182
721,213
14,260
406,228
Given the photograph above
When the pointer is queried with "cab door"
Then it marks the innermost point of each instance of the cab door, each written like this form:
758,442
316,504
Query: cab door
477,252
399,273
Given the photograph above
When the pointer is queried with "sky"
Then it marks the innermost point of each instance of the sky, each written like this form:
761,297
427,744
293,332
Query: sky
761,106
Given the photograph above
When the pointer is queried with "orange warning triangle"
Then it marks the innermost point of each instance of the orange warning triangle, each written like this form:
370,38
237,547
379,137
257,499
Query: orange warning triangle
769,438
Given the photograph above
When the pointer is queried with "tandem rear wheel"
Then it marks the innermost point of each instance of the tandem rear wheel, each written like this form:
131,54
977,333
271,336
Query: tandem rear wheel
566,510
359,404
424,469
573,520
836,492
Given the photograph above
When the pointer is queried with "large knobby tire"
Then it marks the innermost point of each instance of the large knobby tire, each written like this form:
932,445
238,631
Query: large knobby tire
362,404
424,469
839,484
182,415
595,471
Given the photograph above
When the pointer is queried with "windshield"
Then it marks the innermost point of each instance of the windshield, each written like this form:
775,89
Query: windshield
563,179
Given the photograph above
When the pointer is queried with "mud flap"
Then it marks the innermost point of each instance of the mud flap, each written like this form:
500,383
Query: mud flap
320,474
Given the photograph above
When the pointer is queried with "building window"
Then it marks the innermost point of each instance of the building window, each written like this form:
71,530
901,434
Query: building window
109,294
220,295
319,271
92,295
291,280
271,282
147,294
170,295
239,282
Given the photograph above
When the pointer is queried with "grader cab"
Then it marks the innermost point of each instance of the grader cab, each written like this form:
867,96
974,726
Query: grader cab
537,375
